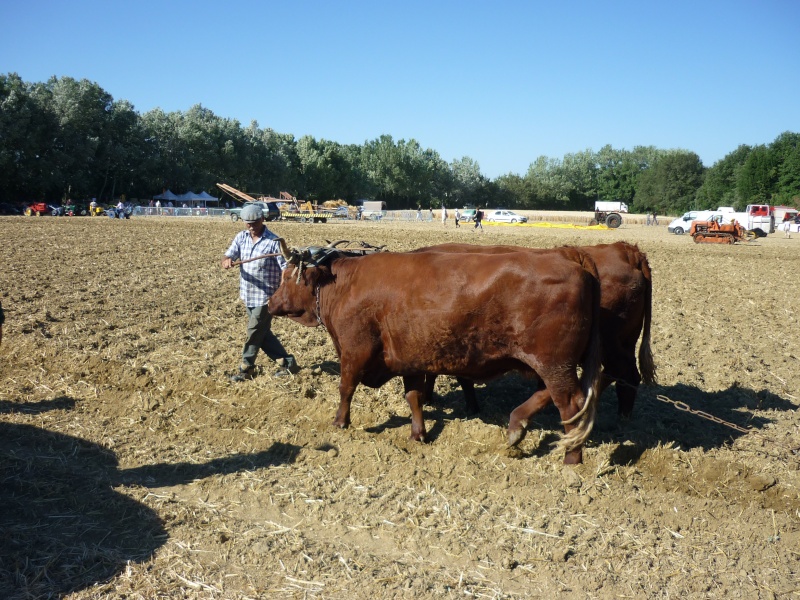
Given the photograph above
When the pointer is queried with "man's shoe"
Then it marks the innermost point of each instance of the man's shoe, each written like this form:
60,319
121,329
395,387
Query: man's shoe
242,375
288,366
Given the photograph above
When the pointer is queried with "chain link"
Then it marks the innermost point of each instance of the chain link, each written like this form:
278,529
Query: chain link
686,408
700,413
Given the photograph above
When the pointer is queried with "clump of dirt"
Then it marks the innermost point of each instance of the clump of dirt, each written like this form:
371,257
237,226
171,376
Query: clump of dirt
131,467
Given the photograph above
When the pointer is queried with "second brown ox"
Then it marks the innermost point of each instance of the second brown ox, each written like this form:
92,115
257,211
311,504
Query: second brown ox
411,314
626,297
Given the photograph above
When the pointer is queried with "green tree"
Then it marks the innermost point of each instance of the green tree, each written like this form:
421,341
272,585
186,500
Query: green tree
719,186
670,185
787,149
28,167
758,176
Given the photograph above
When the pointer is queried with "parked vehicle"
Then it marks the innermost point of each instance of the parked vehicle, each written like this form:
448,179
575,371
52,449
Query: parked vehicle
468,214
9,209
372,209
682,224
38,209
756,217
608,212
271,211
505,216
119,213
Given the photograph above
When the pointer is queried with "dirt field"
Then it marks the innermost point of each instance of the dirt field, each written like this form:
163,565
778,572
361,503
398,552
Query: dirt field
131,468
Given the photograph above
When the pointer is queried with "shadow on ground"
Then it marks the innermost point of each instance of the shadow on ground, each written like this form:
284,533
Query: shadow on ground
63,527
654,420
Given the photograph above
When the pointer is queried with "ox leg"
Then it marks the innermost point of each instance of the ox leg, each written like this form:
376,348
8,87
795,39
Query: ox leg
626,377
568,406
415,386
627,389
471,399
518,421
346,391
430,381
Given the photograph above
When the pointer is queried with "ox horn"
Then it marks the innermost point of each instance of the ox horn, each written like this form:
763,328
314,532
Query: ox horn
336,243
284,248
290,254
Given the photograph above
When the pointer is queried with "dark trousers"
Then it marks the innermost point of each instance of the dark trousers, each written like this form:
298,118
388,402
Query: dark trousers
260,336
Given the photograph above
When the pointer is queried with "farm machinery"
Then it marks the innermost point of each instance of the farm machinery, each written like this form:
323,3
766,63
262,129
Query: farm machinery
38,209
304,212
716,232
608,213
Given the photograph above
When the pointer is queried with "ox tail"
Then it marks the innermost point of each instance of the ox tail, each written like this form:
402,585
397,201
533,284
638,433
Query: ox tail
647,367
590,374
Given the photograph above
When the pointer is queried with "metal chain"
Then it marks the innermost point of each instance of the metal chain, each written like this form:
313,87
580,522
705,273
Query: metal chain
700,413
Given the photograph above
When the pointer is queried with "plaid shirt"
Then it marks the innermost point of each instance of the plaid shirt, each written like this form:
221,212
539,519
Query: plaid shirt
258,279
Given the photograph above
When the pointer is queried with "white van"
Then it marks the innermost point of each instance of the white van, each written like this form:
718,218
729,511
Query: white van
682,224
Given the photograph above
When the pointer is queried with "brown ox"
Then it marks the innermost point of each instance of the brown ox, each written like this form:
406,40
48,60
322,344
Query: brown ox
625,313
411,314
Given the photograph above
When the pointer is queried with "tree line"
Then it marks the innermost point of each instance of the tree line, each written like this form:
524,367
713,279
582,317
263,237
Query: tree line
66,138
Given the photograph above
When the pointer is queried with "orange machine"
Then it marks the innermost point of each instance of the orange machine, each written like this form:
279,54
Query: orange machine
716,232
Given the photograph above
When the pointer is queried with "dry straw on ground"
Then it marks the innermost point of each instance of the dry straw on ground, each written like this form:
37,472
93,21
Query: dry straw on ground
130,467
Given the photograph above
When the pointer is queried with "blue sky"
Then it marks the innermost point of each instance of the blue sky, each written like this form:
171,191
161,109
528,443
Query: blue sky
500,82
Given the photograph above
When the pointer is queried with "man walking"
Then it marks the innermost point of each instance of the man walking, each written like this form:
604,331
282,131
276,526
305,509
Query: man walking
258,280
478,219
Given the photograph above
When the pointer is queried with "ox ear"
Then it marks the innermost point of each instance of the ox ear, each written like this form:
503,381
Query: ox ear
306,275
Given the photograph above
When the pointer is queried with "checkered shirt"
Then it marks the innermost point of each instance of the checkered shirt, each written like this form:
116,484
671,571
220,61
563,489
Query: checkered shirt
258,279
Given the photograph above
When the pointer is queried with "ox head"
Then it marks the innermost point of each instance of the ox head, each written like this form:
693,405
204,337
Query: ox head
297,296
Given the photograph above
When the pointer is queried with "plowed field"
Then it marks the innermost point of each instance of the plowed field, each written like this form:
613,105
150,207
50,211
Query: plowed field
130,467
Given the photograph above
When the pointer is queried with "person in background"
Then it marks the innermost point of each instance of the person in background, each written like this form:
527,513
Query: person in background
444,216
457,216
258,280
478,219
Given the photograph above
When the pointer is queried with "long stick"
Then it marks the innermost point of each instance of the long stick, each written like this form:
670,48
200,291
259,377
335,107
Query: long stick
241,262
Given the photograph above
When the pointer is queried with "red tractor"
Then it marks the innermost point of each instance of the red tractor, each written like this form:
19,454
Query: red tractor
38,209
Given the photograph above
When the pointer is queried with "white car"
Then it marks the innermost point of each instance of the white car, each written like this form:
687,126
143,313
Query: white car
682,224
505,216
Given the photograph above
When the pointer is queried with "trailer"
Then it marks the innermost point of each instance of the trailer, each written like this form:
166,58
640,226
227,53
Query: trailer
756,217
304,212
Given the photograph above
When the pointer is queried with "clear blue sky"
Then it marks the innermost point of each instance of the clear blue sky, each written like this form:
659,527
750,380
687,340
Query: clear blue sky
500,82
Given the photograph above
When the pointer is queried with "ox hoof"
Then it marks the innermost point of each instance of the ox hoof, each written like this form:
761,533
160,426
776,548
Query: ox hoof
573,457
417,437
340,424
515,436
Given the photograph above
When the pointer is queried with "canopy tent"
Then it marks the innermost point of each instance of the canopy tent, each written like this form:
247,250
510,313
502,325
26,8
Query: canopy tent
193,200
168,195
190,199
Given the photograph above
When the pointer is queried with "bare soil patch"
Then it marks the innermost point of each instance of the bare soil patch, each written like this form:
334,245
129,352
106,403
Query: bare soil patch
130,467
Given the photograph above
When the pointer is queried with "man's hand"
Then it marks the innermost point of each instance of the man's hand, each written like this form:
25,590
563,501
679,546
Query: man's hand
227,262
